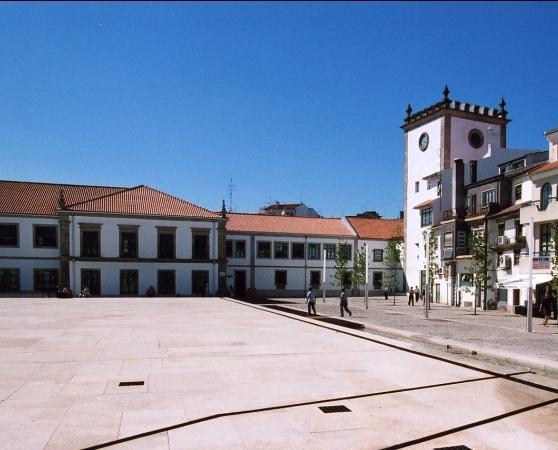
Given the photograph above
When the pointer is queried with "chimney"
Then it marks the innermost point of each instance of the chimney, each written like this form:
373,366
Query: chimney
552,137
401,214
457,191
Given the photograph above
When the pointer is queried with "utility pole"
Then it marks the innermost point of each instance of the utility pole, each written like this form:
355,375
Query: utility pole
530,284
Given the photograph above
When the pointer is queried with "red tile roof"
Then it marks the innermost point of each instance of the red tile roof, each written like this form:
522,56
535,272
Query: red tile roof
24,197
377,228
18,197
545,167
263,223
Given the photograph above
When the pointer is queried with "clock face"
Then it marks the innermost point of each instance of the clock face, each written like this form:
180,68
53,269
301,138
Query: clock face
423,141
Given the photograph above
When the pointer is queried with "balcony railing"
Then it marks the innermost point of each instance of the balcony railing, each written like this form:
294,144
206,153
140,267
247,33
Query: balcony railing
495,240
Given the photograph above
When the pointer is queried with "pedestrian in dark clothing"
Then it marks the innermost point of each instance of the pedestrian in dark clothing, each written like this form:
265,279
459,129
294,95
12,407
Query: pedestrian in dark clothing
546,305
411,301
344,303
311,300
417,295
386,292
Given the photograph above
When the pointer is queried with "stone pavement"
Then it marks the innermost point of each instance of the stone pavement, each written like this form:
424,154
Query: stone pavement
220,374
493,335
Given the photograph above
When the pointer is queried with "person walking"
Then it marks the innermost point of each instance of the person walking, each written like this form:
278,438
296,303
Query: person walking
546,305
311,300
411,301
417,295
344,303
386,292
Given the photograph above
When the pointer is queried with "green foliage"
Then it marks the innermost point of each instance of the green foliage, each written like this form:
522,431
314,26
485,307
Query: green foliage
359,268
342,256
432,257
479,260
392,257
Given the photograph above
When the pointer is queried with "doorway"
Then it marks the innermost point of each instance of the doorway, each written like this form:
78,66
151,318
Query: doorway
166,282
239,283
200,282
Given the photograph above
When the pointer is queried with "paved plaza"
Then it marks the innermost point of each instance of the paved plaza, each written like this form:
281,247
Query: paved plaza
210,373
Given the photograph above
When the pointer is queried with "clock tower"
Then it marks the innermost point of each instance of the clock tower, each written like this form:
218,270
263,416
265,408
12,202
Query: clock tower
446,145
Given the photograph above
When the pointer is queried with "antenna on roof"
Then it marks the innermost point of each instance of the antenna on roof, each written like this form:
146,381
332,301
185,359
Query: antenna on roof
232,188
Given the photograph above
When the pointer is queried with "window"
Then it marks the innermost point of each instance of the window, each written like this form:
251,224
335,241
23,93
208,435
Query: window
229,249
518,192
546,195
9,280
426,216
264,249
345,251
315,279
518,229
9,236
378,255
488,197
128,242
91,279
281,250
45,236
166,282
416,186
45,280
280,279
330,250
501,229
544,238
377,280
313,251
297,250
430,183
90,244
240,249
200,244
166,246
516,257
473,171
200,282
448,240
128,282
476,139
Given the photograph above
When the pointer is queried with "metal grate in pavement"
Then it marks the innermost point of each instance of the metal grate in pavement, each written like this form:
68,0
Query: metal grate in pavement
334,409
131,383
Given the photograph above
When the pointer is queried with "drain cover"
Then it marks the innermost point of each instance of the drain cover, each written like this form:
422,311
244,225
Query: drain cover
454,447
334,409
130,383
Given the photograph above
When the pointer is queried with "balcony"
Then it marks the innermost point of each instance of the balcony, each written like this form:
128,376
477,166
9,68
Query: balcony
481,210
506,242
540,213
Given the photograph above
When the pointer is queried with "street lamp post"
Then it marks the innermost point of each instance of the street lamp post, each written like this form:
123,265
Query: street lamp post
530,283
366,277
427,277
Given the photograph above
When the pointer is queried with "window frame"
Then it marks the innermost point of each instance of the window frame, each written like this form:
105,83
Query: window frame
51,288
130,229
331,251
11,224
375,253
92,291
198,233
90,228
485,204
129,271
518,189
167,231
546,195
284,248
545,244
309,253
36,227
259,248
313,273
300,245
423,215
17,274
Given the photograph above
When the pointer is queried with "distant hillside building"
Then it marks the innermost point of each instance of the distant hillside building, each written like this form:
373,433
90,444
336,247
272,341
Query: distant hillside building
289,209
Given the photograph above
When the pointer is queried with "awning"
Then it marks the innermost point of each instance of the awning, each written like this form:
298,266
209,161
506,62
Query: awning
523,282
425,203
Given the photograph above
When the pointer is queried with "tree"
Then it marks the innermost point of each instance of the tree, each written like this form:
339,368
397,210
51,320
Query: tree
392,257
359,268
432,261
479,263
342,256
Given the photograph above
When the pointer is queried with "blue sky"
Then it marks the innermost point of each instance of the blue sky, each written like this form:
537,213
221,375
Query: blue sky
293,101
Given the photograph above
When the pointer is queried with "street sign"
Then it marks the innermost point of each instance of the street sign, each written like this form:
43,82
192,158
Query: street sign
541,262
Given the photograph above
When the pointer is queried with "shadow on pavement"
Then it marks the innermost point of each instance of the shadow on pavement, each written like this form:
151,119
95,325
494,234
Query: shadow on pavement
326,319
